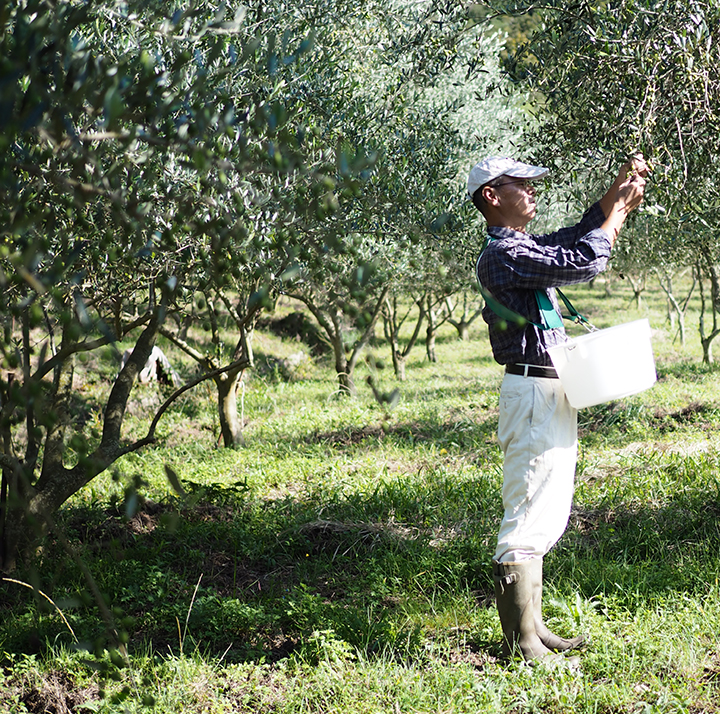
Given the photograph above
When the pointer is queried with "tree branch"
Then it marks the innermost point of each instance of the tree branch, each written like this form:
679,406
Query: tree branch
75,348
149,438
360,344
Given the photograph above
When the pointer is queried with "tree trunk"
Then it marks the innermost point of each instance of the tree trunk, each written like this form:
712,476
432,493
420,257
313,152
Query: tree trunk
399,365
398,359
392,323
609,280
430,338
434,322
391,329
346,385
676,311
231,427
707,351
681,324
469,315
227,382
21,528
706,338
30,506
638,287
8,472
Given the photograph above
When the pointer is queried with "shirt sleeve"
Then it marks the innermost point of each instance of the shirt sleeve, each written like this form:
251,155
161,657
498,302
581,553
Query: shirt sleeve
565,257
592,219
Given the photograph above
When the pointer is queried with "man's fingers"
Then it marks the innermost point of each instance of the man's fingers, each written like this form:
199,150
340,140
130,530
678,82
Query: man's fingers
631,192
639,165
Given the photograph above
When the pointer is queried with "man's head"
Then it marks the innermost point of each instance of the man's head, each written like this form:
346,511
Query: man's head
501,189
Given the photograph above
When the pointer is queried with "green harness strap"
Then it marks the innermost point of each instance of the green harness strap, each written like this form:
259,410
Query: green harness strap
550,318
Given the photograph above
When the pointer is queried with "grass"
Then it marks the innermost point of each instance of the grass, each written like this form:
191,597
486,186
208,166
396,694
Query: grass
340,561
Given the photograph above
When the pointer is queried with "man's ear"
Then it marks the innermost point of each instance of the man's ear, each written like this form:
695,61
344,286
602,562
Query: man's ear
488,193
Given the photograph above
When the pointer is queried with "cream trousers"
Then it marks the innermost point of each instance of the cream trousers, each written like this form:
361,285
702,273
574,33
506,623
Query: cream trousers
537,431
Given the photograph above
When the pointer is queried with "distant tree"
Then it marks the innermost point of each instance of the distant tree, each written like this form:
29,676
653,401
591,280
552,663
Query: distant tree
677,306
377,97
462,310
396,313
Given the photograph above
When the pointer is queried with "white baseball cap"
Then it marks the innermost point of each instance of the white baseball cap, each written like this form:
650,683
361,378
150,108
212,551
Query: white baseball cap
490,168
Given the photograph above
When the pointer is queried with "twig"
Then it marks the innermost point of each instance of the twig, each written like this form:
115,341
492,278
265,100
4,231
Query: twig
187,618
48,598
225,652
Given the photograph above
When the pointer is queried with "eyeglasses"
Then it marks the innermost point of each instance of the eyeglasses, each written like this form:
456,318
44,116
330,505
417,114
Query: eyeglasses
525,184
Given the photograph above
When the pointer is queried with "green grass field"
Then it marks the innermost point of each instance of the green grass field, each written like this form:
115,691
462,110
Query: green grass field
340,561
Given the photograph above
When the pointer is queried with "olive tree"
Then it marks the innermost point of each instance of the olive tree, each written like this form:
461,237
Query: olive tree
411,222
622,76
142,154
374,96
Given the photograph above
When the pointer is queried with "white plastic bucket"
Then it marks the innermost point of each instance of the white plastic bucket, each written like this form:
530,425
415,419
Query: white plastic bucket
605,365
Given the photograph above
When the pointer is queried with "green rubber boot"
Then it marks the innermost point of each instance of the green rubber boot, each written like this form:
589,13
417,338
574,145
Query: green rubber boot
514,589
548,638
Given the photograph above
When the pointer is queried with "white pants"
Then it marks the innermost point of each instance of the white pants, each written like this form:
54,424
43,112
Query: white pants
537,431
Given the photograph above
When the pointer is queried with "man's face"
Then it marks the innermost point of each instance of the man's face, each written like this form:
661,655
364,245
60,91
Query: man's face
516,200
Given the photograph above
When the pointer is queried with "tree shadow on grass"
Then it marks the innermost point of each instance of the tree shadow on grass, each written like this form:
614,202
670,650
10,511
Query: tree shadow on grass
622,422
251,579
463,428
258,579
635,554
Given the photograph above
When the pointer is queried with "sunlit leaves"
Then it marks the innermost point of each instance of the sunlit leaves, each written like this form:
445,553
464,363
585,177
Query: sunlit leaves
630,75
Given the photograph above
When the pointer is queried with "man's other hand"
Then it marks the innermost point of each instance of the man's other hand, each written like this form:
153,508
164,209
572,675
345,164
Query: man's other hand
639,166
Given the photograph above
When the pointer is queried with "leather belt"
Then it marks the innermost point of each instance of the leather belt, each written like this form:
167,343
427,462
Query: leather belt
531,370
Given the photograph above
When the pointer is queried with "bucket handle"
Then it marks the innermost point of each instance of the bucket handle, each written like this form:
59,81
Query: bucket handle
585,323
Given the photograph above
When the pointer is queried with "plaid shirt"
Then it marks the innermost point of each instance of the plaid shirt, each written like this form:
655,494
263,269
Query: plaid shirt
514,265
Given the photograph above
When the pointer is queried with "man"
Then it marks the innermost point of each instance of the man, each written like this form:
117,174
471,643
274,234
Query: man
537,427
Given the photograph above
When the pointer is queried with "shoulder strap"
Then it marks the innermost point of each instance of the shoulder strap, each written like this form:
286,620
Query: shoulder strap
575,316
551,319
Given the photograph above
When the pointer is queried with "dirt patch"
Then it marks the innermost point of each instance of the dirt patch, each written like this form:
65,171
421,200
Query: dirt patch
701,416
299,327
324,530
473,655
456,425
616,415
98,530
348,437
57,694
711,671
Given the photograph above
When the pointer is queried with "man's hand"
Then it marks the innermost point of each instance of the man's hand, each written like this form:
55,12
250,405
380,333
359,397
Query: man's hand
630,192
635,169
640,166
637,166
625,195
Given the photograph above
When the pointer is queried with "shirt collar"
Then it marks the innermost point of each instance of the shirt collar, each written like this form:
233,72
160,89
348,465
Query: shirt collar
503,232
